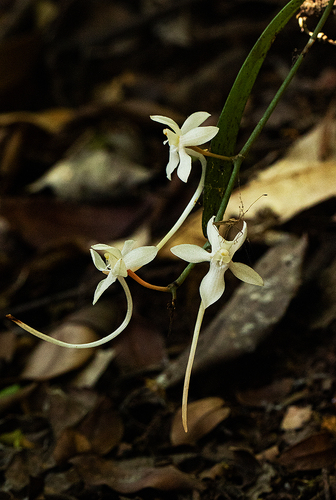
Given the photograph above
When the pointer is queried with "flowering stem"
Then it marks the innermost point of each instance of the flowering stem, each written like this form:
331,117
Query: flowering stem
187,376
205,152
147,285
96,343
190,205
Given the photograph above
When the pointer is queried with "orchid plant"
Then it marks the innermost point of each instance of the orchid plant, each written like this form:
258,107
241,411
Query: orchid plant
219,174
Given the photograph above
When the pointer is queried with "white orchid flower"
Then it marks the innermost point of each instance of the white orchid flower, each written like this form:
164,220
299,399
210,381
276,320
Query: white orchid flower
119,262
179,139
213,285
116,267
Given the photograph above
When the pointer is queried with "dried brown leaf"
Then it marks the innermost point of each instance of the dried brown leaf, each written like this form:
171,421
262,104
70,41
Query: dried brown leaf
102,427
48,360
141,346
269,454
203,416
122,477
45,222
70,443
272,393
295,417
315,452
68,409
329,424
300,180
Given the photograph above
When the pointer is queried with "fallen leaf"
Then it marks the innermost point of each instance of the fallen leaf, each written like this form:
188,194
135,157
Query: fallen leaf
295,417
49,360
203,416
300,180
91,373
70,443
141,346
65,410
269,454
92,174
45,222
126,478
85,325
326,310
270,394
102,427
315,452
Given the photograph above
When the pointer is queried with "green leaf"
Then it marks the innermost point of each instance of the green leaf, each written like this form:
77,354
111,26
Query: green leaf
10,390
219,171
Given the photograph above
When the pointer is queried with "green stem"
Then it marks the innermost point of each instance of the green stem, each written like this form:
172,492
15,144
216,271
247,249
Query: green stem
262,122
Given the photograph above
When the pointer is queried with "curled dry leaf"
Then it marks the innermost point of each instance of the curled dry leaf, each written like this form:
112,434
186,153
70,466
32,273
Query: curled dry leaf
203,416
315,452
66,410
122,477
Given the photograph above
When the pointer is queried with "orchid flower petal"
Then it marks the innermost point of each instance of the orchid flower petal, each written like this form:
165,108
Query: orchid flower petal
196,154
215,239
140,257
239,239
191,253
98,261
184,168
246,273
173,162
194,120
128,246
166,121
212,286
103,285
106,248
198,136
